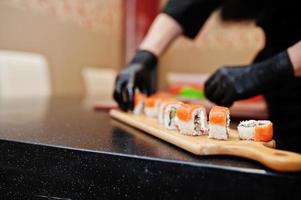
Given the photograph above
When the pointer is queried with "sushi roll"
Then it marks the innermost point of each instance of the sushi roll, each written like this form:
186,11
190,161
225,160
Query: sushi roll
191,119
151,106
219,121
261,130
152,103
246,129
139,103
169,115
162,106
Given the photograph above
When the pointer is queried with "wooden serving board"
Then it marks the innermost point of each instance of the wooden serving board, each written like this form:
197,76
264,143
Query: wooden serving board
264,153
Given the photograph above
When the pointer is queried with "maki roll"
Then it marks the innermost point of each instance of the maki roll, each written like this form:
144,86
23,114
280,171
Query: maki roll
152,103
261,130
151,106
139,103
162,106
191,119
219,121
169,115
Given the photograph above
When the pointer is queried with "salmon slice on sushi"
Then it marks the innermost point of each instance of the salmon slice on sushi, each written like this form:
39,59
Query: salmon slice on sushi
261,130
264,131
153,102
219,121
191,119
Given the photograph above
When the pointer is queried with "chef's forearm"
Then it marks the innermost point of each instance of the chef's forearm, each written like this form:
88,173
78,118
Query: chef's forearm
294,53
162,32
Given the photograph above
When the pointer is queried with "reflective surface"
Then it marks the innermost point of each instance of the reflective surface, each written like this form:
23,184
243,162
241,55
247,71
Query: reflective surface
61,147
68,123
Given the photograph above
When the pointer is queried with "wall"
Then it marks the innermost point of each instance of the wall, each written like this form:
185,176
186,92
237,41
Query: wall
217,44
71,34
76,33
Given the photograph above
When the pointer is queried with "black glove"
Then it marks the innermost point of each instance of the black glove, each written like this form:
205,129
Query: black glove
229,84
140,73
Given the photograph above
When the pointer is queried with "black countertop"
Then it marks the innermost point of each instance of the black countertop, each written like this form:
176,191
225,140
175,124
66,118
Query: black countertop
62,148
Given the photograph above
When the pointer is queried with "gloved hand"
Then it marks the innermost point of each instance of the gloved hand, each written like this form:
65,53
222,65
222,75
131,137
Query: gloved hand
229,84
140,73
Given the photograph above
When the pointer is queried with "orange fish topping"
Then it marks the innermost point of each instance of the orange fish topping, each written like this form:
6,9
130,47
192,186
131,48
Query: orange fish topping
218,115
151,101
264,133
184,112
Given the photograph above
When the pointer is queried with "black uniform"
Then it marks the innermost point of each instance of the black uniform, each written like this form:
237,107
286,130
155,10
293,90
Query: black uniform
281,22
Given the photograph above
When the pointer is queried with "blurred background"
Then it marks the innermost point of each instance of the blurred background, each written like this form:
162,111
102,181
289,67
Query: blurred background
76,47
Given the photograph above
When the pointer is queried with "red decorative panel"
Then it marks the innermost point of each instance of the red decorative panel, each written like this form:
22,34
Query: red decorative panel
137,20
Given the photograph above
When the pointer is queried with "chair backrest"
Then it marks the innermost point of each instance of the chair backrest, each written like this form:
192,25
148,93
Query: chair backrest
23,75
99,81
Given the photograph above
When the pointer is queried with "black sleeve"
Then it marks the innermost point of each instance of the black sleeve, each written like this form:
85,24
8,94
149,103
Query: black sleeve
190,14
